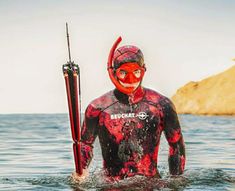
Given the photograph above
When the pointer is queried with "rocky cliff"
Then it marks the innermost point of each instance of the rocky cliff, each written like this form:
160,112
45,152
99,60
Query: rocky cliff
212,96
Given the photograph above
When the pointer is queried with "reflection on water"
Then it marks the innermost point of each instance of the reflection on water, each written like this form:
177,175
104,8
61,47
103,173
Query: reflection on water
36,154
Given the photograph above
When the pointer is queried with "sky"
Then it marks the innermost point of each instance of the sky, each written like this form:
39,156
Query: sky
182,41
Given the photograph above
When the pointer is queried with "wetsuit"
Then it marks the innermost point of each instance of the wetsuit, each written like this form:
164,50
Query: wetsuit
129,130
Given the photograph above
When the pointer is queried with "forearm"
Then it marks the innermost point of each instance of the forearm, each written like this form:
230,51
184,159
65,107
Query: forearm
176,157
86,154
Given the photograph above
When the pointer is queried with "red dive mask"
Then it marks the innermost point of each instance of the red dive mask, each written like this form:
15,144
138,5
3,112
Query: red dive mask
130,73
128,67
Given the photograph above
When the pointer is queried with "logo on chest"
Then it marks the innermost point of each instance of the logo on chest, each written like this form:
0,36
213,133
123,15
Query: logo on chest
141,115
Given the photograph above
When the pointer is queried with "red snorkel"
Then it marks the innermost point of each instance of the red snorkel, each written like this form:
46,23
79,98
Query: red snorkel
111,70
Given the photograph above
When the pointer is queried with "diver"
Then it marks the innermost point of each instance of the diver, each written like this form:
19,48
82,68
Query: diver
129,121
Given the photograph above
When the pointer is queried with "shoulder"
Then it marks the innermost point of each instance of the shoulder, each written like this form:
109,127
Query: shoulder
104,101
156,98
99,104
153,96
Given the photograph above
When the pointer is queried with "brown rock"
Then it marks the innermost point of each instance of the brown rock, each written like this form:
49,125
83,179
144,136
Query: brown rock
212,96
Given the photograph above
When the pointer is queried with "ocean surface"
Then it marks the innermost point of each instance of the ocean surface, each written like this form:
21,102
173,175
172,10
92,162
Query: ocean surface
36,154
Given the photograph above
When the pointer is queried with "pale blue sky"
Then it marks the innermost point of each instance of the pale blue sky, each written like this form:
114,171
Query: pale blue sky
182,41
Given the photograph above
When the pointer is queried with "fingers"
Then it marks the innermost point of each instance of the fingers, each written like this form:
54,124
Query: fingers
79,178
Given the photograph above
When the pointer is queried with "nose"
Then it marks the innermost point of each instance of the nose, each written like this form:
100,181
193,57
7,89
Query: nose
130,78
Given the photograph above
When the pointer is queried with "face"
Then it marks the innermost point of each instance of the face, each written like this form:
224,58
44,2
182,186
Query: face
130,75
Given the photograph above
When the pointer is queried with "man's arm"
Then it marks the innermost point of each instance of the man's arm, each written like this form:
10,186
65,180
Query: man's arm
174,137
88,134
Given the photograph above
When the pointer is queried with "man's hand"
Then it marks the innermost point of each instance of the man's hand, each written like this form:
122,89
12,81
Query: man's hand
80,178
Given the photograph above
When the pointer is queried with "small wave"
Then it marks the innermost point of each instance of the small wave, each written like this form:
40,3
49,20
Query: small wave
35,183
197,178
139,183
210,178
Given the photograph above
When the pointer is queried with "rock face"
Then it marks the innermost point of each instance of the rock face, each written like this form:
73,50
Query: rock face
212,96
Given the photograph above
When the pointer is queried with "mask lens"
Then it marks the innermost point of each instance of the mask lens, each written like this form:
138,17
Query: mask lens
137,73
121,74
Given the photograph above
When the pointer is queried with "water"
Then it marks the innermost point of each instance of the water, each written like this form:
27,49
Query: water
36,154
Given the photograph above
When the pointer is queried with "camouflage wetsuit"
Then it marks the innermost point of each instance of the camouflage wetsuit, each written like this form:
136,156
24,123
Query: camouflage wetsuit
129,130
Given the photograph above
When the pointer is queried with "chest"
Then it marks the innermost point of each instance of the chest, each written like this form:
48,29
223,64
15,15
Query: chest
138,121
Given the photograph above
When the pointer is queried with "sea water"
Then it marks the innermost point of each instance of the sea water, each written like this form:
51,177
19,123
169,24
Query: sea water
36,154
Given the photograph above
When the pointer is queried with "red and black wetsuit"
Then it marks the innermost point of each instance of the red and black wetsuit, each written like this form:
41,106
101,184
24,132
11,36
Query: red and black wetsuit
129,130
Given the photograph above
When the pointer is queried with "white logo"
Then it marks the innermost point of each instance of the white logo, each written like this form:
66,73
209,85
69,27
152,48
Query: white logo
141,115
122,115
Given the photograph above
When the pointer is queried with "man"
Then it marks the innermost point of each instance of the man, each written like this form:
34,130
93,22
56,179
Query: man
129,121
